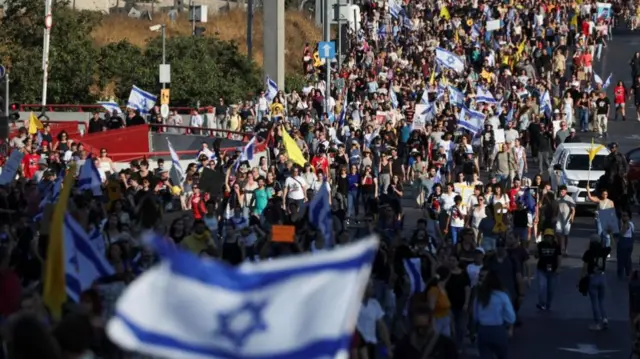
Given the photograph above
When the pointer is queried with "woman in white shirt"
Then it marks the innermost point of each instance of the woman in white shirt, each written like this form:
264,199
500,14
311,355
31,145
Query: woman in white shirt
295,189
104,162
500,197
603,203
456,220
476,215
520,154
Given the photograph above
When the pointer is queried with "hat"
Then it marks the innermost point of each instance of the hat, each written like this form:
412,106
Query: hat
480,249
549,232
415,150
556,111
43,161
573,130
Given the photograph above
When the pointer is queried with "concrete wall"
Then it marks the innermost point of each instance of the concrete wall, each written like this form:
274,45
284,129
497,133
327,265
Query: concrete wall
187,142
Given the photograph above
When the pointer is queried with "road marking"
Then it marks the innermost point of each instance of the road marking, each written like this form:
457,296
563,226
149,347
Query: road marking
588,349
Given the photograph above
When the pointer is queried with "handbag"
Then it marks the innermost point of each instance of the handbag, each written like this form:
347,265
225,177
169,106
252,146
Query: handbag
583,285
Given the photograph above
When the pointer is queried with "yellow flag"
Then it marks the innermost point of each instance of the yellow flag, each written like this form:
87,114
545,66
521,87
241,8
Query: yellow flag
457,37
34,124
521,47
54,293
593,151
293,151
574,20
444,12
432,78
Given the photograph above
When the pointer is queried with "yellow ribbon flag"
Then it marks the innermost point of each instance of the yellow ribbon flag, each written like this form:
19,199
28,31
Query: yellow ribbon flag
34,124
293,151
574,20
55,294
593,151
444,12
521,47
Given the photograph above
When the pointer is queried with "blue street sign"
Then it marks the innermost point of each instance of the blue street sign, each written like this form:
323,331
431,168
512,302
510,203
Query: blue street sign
327,50
3,71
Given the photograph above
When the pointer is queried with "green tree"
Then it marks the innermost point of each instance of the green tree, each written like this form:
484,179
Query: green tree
121,64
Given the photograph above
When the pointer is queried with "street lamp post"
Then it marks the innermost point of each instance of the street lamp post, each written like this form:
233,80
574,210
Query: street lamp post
48,22
164,48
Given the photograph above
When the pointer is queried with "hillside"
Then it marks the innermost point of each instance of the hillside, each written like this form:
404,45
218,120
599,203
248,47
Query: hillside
228,26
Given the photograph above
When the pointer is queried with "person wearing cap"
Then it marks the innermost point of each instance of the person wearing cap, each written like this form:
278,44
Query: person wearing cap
548,253
572,138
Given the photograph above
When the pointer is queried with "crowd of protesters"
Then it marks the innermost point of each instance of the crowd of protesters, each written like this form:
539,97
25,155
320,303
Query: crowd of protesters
392,134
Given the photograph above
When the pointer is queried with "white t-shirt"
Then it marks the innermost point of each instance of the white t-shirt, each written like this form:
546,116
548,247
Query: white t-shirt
473,270
458,220
370,313
295,187
448,201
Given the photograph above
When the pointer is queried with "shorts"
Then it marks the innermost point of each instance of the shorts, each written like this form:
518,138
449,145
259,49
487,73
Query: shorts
530,220
620,105
563,228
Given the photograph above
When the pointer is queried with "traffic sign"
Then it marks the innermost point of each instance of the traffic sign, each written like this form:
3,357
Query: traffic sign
327,50
164,96
164,110
3,72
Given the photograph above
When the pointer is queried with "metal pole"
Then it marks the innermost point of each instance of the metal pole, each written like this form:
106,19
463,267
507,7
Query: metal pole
249,28
339,44
326,24
45,52
164,49
192,11
6,94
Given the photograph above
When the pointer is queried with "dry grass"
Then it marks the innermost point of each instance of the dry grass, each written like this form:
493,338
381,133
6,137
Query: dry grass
229,26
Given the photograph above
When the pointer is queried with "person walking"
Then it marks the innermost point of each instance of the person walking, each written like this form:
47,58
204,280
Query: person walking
494,316
593,281
548,254
624,246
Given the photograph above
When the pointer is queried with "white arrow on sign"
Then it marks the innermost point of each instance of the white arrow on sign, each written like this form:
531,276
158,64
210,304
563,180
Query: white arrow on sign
588,349
326,50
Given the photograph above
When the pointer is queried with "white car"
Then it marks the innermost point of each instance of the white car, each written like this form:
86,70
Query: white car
570,167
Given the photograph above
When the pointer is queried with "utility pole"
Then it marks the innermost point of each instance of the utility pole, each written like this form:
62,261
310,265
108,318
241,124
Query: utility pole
326,27
164,48
249,28
6,94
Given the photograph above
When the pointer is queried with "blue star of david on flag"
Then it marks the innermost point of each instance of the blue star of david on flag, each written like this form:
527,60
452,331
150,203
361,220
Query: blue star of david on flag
141,100
238,325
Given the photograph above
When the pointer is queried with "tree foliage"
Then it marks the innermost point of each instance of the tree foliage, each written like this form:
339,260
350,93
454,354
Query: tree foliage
202,68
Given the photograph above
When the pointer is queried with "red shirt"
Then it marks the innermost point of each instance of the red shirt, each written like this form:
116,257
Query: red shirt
513,196
198,207
620,94
30,162
320,164
585,28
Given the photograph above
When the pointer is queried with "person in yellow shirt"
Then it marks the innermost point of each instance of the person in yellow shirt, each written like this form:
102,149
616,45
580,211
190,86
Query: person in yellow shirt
200,240
438,301
235,122
277,109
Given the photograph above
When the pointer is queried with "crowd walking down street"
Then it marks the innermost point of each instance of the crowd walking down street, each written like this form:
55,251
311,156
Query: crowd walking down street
489,146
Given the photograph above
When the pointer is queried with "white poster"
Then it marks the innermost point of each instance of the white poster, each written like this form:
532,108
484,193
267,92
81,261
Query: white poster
499,135
493,25
11,167
420,117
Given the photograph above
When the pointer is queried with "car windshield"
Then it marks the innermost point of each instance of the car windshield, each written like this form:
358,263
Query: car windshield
581,163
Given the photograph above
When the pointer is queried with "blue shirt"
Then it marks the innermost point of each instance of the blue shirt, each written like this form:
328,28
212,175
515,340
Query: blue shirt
499,311
353,180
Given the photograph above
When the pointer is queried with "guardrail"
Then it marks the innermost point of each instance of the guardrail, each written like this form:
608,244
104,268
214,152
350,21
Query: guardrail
209,132
95,107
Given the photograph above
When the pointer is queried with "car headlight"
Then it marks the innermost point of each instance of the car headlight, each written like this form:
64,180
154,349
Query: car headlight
572,182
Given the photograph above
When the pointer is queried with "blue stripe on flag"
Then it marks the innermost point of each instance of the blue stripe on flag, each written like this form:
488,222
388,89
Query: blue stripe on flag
85,249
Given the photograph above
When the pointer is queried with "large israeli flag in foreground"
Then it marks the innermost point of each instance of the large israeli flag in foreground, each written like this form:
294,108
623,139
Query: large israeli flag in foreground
297,307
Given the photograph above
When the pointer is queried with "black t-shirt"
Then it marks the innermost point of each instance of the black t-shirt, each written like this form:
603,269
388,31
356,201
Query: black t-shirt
602,105
231,253
594,258
444,348
456,289
548,253
520,218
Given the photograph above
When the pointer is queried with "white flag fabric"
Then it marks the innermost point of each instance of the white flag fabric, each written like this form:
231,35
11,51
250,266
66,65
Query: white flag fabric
471,120
110,106
485,96
597,79
83,262
304,306
272,89
141,100
449,60
176,173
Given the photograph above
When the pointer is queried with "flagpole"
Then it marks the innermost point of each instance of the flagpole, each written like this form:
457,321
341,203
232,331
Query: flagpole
48,21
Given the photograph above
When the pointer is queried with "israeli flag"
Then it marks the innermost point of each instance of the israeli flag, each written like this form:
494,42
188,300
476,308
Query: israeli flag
597,79
83,263
395,8
111,106
342,118
407,24
141,100
382,32
272,89
194,308
97,240
177,172
608,81
412,266
456,96
509,115
449,60
470,120
50,197
545,103
89,178
392,97
485,96
475,32
425,97
320,215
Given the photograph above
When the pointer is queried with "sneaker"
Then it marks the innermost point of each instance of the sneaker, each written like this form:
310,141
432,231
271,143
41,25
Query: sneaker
595,327
541,307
